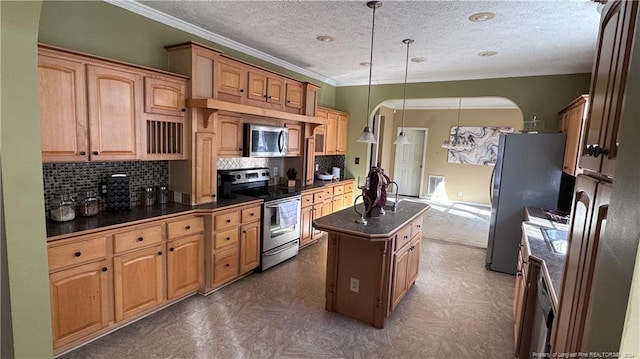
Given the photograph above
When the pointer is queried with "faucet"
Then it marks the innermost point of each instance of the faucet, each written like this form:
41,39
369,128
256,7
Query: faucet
395,204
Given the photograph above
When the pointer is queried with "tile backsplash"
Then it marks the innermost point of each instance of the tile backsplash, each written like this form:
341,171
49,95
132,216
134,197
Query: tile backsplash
325,163
75,178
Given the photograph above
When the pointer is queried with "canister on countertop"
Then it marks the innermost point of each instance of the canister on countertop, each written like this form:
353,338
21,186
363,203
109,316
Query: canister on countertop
62,208
88,205
162,194
148,197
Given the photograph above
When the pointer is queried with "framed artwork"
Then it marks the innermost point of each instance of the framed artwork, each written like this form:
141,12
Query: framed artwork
484,140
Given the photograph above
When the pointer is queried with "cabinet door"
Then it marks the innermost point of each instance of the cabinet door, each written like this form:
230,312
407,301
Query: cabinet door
79,302
317,213
138,281
225,266
185,265
310,161
310,100
257,85
63,110
164,97
571,123
414,261
400,271
338,203
202,73
229,136
275,90
607,87
332,134
518,302
306,225
114,113
230,80
249,246
320,136
348,199
293,95
327,207
343,126
205,161
295,138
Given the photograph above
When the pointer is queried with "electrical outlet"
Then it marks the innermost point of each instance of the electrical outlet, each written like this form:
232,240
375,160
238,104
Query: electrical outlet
354,286
275,171
459,193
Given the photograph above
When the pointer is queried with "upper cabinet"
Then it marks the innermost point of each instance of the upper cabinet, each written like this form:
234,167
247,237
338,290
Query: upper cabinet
335,133
294,142
98,110
229,136
600,146
293,96
231,80
265,87
571,122
63,114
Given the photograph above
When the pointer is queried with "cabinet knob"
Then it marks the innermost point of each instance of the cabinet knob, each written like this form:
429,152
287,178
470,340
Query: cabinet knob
268,96
228,221
187,227
240,149
288,101
95,153
183,109
160,253
228,238
251,214
419,225
104,269
140,239
77,254
244,231
171,249
518,273
241,90
213,195
82,153
227,265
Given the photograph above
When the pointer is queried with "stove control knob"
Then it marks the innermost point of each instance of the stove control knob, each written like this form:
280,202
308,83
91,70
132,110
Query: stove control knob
238,176
264,174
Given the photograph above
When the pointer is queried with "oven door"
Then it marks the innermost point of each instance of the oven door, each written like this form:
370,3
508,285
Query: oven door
277,231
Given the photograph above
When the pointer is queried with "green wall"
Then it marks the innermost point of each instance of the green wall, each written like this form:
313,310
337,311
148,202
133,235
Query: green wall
22,182
542,96
106,30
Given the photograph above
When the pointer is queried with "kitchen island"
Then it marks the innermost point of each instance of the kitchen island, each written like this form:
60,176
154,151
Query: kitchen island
371,267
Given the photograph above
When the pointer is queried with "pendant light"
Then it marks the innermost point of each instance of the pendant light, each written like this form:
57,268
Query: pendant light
459,143
402,138
367,135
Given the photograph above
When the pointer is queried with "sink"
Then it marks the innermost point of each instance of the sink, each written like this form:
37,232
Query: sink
556,238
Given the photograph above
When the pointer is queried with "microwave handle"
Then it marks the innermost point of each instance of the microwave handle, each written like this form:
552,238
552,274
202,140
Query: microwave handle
280,141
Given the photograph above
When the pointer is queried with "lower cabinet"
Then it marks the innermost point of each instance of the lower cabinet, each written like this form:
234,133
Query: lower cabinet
249,246
185,265
138,281
406,264
79,301
306,225
225,265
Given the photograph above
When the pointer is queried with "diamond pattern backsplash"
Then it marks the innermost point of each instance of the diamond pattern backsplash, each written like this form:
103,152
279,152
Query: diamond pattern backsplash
75,178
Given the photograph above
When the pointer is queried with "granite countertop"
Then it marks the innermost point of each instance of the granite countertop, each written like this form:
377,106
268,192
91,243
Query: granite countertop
553,263
378,228
103,220
320,184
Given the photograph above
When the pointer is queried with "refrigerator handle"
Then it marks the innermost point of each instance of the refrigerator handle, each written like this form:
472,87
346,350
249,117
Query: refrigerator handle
493,177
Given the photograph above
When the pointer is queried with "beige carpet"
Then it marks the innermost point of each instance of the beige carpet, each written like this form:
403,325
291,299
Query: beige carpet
460,223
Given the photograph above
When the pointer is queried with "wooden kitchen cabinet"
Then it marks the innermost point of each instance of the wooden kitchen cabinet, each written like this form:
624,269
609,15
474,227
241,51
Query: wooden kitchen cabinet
79,302
310,99
332,134
206,181
571,122
335,135
294,142
406,263
115,101
265,87
63,114
249,246
185,265
138,281
230,80
310,161
306,225
608,81
163,96
293,96
229,136
343,127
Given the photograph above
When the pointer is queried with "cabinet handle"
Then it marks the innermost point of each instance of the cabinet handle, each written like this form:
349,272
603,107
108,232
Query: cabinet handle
227,265
228,221
241,90
251,214
244,231
95,153
288,101
171,249
77,254
183,109
140,239
104,269
187,227
82,153
213,195
228,238
268,96
419,226
160,253
406,237
240,149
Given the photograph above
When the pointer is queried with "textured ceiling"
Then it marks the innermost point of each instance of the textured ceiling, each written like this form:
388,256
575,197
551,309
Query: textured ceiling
530,37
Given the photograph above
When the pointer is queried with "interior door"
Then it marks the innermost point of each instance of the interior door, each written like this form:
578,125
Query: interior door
408,163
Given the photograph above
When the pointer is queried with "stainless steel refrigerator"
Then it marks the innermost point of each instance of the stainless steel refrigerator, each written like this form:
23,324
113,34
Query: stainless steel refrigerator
527,174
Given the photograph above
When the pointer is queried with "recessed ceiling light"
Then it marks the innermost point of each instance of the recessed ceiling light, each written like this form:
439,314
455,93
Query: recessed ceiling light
419,59
325,38
482,16
364,63
487,53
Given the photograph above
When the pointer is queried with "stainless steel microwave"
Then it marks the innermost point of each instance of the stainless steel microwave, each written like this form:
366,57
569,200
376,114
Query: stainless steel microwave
265,141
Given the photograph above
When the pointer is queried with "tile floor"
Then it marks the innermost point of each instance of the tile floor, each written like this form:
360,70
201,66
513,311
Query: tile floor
456,309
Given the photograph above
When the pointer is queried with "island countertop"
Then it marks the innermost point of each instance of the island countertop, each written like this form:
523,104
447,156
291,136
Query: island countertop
379,228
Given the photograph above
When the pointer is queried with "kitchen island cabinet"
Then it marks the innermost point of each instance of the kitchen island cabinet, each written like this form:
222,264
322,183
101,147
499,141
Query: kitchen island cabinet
370,267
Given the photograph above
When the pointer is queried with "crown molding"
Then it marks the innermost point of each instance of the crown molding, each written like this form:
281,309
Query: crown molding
174,22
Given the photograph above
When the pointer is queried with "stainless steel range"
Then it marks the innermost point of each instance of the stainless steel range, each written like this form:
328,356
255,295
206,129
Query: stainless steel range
280,212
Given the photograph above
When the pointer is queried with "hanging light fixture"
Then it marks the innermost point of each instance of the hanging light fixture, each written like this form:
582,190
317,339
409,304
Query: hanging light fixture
402,138
459,143
367,135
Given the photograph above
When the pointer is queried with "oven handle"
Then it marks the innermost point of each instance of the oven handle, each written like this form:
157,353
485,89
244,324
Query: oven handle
282,250
282,201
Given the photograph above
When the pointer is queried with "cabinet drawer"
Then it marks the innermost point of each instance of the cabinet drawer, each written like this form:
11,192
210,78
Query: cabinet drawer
184,227
416,226
137,238
77,252
250,214
318,197
225,220
338,190
348,187
328,192
403,237
226,238
226,265
307,200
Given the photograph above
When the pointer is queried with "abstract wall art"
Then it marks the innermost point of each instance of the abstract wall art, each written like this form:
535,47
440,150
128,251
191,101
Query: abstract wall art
484,140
